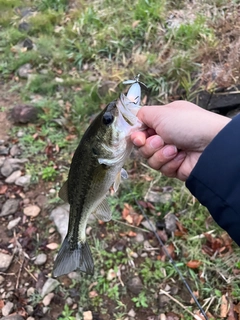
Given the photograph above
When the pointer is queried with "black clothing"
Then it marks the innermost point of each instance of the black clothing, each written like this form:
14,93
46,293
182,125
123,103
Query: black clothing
215,180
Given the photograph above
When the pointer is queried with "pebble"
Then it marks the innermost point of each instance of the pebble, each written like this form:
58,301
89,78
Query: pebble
30,291
6,168
135,285
40,259
12,224
7,309
5,261
13,176
74,275
4,150
41,200
23,181
29,310
23,113
148,226
47,299
139,237
31,211
132,313
170,222
69,301
24,70
20,134
9,207
87,315
15,151
1,279
111,275
13,317
24,26
60,216
50,285
30,318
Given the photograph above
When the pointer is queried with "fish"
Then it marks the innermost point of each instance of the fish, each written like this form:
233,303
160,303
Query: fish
96,167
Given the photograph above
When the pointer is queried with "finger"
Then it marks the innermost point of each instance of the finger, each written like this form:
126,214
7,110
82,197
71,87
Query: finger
171,168
139,138
152,145
162,156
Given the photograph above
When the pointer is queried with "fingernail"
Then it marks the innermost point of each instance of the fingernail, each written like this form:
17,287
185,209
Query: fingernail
180,156
156,142
169,151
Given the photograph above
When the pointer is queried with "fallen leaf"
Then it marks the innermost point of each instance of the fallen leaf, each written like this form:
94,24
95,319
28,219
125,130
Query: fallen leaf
193,264
131,234
135,23
52,246
93,294
1,304
224,307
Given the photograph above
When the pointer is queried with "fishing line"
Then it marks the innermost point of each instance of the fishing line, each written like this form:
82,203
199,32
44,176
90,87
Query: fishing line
171,260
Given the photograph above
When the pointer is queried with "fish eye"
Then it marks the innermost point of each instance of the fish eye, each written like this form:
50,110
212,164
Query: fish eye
107,118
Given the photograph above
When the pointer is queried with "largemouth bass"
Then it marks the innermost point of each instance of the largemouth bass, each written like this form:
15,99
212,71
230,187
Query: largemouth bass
97,165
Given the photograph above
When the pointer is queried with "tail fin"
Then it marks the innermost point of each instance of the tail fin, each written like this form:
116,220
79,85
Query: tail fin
70,260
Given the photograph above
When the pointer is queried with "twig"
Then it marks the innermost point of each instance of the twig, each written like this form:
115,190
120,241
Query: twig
7,274
19,272
180,304
201,235
30,274
129,225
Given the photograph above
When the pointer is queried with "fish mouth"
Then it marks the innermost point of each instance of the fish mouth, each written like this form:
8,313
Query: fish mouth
129,104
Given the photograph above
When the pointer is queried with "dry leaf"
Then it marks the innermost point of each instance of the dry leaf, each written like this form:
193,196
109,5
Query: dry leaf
92,294
52,246
3,189
224,307
193,264
1,304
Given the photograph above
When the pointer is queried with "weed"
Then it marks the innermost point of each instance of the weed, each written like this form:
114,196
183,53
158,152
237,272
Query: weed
49,173
141,300
66,314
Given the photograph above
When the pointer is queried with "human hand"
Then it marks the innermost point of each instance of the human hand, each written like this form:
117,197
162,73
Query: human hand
176,136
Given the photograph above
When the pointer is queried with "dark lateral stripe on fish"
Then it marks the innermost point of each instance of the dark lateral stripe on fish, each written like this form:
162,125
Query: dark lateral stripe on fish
70,260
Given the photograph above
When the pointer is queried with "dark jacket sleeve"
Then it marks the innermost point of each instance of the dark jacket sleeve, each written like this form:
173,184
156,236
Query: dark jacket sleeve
215,180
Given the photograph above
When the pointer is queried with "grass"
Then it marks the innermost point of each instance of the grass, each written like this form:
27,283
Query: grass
82,52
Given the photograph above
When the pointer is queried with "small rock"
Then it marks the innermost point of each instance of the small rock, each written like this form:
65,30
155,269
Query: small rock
30,291
132,313
1,279
69,301
74,275
31,211
24,70
158,197
139,237
9,207
135,285
60,216
2,161
16,163
15,151
20,134
27,43
13,177
50,285
170,222
5,261
40,259
134,254
30,318
12,224
7,309
24,113
149,226
41,200
52,191
6,168
29,310
24,26
4,150
13,317
23,181
47,299
87,315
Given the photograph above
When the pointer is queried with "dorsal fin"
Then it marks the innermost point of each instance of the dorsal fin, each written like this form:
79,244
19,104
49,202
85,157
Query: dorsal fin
63,192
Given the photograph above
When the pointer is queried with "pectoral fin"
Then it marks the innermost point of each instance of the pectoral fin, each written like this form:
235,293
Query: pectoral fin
103,211
121,175
63,192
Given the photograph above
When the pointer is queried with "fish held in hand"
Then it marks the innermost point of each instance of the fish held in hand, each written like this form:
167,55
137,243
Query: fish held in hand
97,165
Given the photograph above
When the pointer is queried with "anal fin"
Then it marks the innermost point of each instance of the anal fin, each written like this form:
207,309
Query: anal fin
63,192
